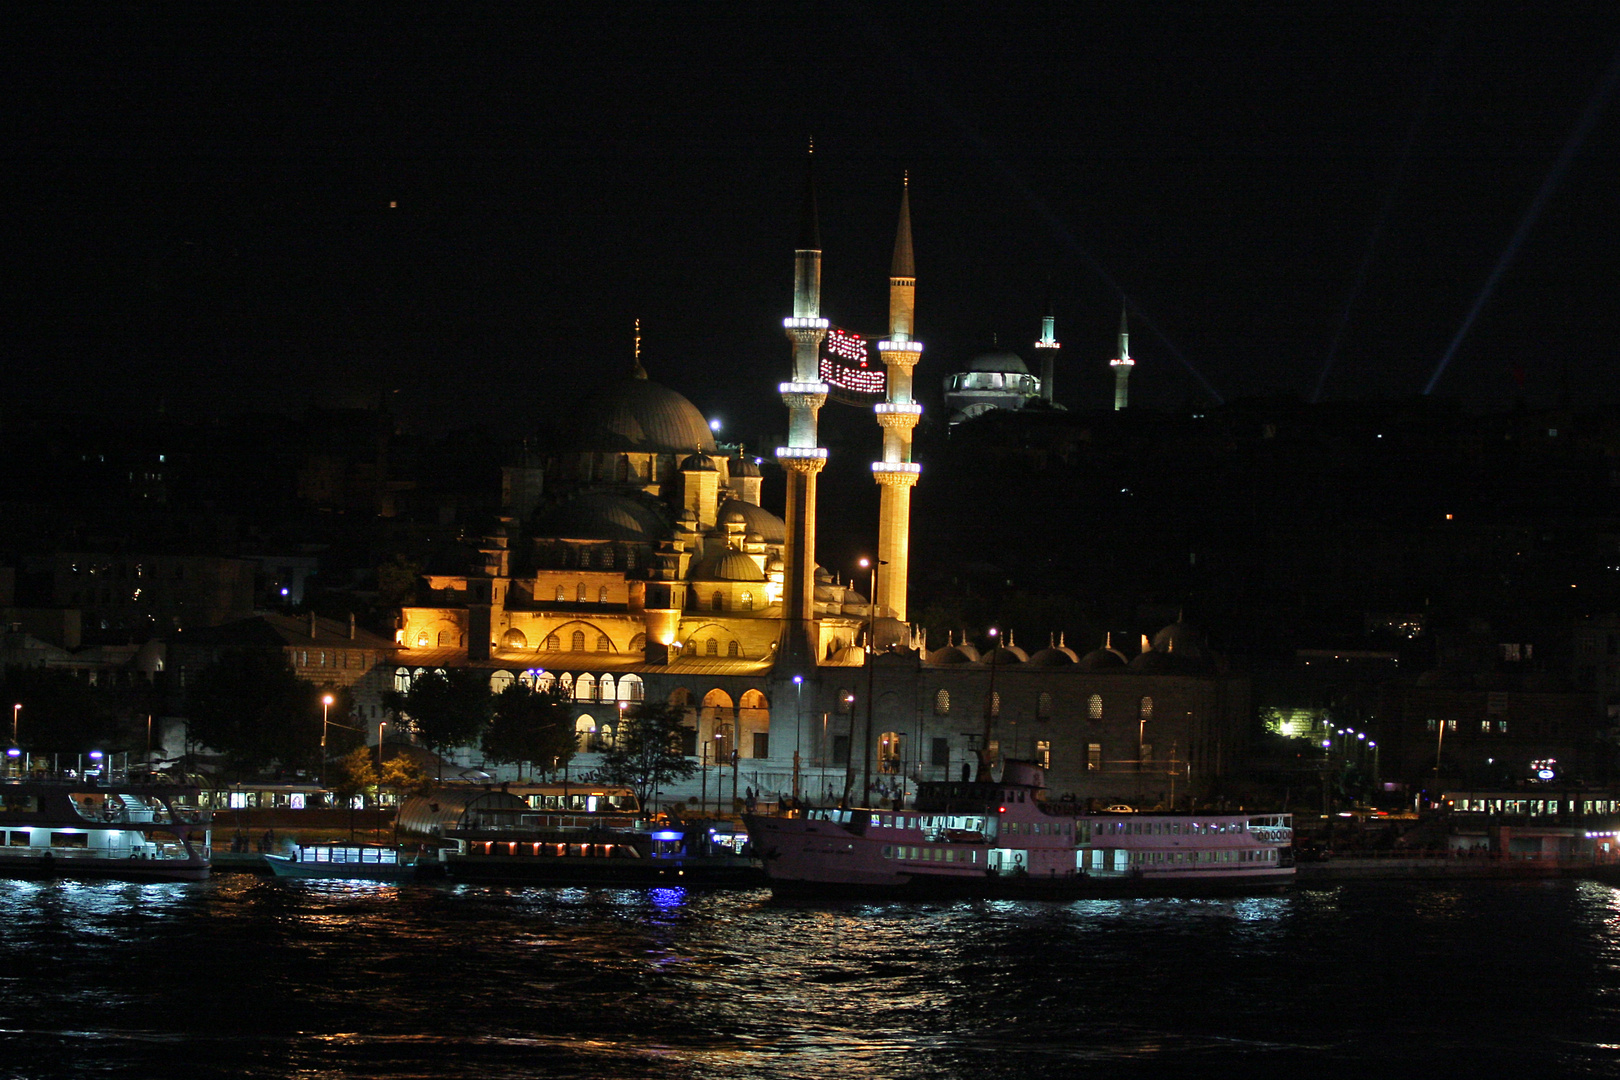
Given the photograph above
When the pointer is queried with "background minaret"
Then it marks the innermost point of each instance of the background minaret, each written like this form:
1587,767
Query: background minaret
801,458
1049,343
1122,365
896,474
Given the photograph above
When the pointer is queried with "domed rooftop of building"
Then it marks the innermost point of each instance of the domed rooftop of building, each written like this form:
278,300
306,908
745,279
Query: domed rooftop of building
1051,656
1103,660
1006,654
728,566
954,654
743,465
1184,639
698,463
771,529
998,360
602,516
638,414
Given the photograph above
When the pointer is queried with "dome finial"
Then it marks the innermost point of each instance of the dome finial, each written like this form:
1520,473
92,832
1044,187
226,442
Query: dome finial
636,370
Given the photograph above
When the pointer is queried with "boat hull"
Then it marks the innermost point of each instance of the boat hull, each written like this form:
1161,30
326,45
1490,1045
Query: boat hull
711,872
36,866
283,866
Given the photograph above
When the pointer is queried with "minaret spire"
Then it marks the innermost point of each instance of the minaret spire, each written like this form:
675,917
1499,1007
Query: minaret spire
1122,364
1049,343
897,415
802,459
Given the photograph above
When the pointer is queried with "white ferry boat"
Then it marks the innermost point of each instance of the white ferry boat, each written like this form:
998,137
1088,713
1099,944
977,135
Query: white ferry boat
343,862
84,828
1003,838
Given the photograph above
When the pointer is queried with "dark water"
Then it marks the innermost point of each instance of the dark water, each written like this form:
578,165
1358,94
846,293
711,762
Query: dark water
247,977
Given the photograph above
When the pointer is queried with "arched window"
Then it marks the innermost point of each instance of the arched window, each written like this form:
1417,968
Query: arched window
561,595
711,648
585,688
514,639
579,593
577,642
942,703
748,601
718,602
1146,712
402,680
567,683
638,643
733,650
500,680
444,639
1043,706
586,558
585,732
552,643
603,643
422,640
631,688
601,595
1094,706
604,688
545,681
995,703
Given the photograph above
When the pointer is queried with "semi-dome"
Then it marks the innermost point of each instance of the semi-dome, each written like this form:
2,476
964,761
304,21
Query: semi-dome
728,566
998,360
639,415
602,516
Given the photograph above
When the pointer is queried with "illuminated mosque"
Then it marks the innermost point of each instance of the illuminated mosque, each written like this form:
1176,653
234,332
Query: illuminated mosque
653,572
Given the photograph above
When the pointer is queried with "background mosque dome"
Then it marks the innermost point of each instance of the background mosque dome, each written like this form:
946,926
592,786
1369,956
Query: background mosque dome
998,360
602,516
728,566
640,415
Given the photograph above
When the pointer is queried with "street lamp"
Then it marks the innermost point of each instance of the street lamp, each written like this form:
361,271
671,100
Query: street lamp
381,724
326,706
798,724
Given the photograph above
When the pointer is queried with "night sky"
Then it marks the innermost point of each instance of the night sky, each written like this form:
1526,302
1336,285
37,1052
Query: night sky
202,213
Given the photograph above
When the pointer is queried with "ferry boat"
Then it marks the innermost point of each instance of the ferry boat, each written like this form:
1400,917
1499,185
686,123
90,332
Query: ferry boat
87,828
337,862
1002,837
574,834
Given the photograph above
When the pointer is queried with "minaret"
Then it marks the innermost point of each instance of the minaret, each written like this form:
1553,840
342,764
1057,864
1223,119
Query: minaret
1050,343
1122,365
801,458
896,474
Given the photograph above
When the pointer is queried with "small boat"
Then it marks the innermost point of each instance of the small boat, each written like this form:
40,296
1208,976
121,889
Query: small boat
84,827
1002,838
343,861
574,834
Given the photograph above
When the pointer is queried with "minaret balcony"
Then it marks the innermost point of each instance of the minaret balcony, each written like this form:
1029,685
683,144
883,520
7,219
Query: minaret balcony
907,346
907,468
1123,361
814,388
1045,344
909,408
818,452
796,323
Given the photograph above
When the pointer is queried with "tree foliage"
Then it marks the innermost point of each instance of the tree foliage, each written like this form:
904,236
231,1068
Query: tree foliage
352,774
250,707
405,777
446,710
531,725
647,754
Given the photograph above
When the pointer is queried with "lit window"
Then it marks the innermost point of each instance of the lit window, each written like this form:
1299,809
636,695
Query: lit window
718,601
711,648
748,601
552,643
561,595
1146,709
601,595
1095,706
579,593
577,642
942,703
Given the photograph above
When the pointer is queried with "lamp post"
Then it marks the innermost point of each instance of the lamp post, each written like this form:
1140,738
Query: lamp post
990,711
798,724
381,724
326,706
16,711
871,674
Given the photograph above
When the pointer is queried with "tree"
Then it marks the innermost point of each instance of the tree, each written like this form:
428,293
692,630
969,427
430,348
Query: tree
445,710
252,708
647,754
352,775
531,725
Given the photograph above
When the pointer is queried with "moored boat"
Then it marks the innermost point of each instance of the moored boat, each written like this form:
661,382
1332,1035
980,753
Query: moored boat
343,862
85,828
997,837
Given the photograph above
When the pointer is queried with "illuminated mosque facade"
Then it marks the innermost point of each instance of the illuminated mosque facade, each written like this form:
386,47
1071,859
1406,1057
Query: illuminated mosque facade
653,572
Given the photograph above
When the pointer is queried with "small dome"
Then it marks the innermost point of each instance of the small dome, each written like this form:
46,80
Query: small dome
744,466
1182,638
771,529
1006,654
775,564
698,463
728,566
954,654
733,517
637,414
1103,660
998,360
1052,656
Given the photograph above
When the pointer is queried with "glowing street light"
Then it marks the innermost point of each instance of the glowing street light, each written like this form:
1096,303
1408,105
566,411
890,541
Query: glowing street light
326,706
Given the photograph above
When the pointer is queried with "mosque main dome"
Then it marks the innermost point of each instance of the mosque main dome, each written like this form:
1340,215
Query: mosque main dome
637,414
